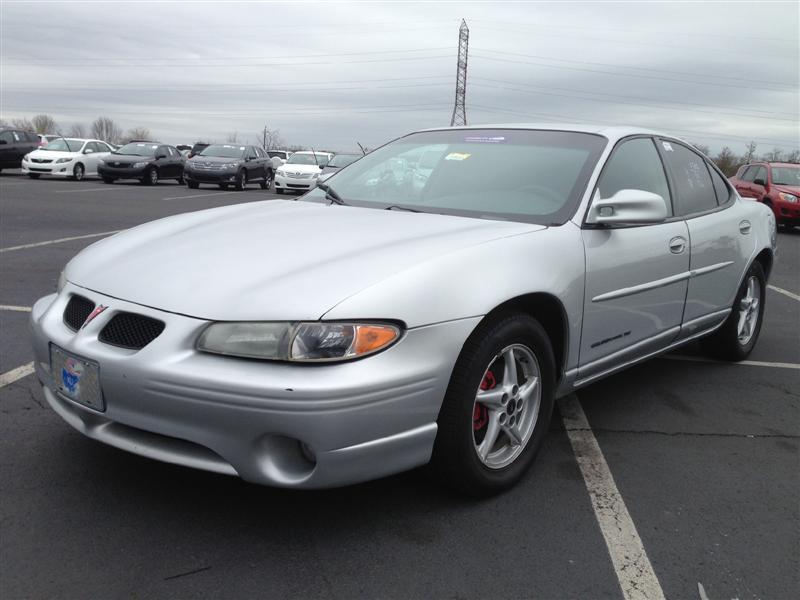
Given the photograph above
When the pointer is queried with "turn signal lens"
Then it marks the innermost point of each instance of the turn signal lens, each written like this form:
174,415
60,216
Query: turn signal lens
371,338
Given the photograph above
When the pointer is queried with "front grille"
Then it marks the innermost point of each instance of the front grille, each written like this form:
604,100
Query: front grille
78,309
39,170
132,331
298,186
42,160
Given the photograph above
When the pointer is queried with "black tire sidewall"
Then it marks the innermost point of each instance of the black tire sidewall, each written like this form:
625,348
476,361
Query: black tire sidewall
78,169
454,450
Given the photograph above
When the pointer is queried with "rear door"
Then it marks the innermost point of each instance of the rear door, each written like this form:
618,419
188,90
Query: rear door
635,274
718,235
745,184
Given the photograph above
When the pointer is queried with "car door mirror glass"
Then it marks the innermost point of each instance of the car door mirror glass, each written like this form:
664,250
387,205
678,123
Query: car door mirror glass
628,206
88,151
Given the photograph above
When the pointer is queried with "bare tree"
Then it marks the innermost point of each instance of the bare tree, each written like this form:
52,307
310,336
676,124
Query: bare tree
794,156
749,153
727,161
22,123
233,138
270,139
703,148
775,156
104,128
77,130
44,124
136,133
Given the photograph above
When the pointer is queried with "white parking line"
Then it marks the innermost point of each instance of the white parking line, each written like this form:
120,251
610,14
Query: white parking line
107,188
749,363
200,195
15,374
791,295
58,241
631,565
15,308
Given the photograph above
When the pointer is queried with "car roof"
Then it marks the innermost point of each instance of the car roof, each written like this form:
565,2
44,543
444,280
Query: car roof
612,132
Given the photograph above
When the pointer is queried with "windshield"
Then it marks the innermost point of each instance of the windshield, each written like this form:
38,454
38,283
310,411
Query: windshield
224,151
525,175
64,145
342,160
786,176
307,159
138,149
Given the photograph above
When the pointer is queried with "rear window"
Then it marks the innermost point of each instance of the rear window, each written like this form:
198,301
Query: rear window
720,187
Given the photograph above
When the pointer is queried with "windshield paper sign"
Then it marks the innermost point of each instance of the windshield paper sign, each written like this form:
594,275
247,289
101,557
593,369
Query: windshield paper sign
485,139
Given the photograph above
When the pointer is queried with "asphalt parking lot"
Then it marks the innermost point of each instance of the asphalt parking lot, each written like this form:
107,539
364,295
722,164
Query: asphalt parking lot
705,456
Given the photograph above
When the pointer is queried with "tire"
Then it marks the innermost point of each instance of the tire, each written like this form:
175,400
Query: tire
150,177
738,335
279,191
223,186
78,172
462,419
34,175
193,185
241,181
267,183
108,180
181,180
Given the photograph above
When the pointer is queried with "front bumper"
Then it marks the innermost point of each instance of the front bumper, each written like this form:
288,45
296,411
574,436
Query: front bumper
53,168
107,172
289,425
293,183
786,213
210,175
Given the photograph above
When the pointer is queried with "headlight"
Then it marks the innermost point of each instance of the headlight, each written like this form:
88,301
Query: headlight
101,161
62,281
140,165
231,165
26,157
281,172
787,197
63,160
314,176
298,342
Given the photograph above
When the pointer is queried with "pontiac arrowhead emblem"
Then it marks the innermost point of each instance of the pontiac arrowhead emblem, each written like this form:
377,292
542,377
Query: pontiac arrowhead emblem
97,310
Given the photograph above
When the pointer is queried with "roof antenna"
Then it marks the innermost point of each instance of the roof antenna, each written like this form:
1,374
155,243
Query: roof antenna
314,154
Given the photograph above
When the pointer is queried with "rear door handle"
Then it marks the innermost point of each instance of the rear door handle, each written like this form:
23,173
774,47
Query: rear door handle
677,245
744,227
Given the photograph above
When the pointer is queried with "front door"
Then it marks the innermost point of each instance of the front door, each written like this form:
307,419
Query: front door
635,275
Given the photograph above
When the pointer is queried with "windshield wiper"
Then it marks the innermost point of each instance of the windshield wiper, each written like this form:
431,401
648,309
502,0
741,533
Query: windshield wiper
405,208
331,195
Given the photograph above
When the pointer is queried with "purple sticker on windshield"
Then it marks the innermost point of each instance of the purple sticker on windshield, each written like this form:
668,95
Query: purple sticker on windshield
485,139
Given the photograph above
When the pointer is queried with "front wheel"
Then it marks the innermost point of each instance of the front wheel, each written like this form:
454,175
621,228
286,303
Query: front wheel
267,183
34,175
241,181
78,172
108,180
498,405
279,191
150,177
193,185
739,333
181,180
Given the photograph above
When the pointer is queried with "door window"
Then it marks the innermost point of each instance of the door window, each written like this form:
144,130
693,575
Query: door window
635,165
749,173
720,187
7,137
761,173
693,186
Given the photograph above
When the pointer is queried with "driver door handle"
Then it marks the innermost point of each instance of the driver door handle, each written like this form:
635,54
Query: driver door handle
677,245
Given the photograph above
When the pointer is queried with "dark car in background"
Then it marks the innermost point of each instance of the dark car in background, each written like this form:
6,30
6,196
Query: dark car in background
14,144
339,161
229,164
775,184
149,162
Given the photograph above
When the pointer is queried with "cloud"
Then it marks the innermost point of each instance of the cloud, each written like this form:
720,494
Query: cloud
328,75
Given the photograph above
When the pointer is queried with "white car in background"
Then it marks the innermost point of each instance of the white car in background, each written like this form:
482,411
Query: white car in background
66,157
301,171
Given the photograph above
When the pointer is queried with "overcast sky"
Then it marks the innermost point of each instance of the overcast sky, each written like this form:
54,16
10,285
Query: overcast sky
330,74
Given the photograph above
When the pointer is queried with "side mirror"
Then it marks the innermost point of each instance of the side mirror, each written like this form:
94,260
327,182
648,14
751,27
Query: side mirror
88,151
160,156
760,182
628,206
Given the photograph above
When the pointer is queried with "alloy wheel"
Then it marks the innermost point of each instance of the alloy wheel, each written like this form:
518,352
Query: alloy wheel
78,172
506,406
749,311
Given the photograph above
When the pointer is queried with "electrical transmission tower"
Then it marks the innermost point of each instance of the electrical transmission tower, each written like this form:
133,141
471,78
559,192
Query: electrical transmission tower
460,109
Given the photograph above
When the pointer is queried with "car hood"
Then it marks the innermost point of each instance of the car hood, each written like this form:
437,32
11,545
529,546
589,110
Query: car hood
52,154
273,260
300,168
788,189
330,169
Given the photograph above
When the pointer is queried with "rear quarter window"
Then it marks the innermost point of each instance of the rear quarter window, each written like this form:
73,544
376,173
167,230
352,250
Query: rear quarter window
693,186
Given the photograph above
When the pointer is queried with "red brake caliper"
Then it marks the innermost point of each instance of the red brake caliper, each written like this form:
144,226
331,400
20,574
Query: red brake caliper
480,416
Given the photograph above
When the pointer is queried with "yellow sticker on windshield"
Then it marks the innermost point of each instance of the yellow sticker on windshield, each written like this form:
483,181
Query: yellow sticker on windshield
457,156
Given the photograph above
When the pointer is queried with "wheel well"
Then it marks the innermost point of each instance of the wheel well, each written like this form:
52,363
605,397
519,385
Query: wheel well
765,258
549,311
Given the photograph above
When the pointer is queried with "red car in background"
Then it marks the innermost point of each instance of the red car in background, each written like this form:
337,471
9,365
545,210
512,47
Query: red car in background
775,184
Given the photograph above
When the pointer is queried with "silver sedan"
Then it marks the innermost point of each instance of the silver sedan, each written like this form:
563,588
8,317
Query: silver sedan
385,321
